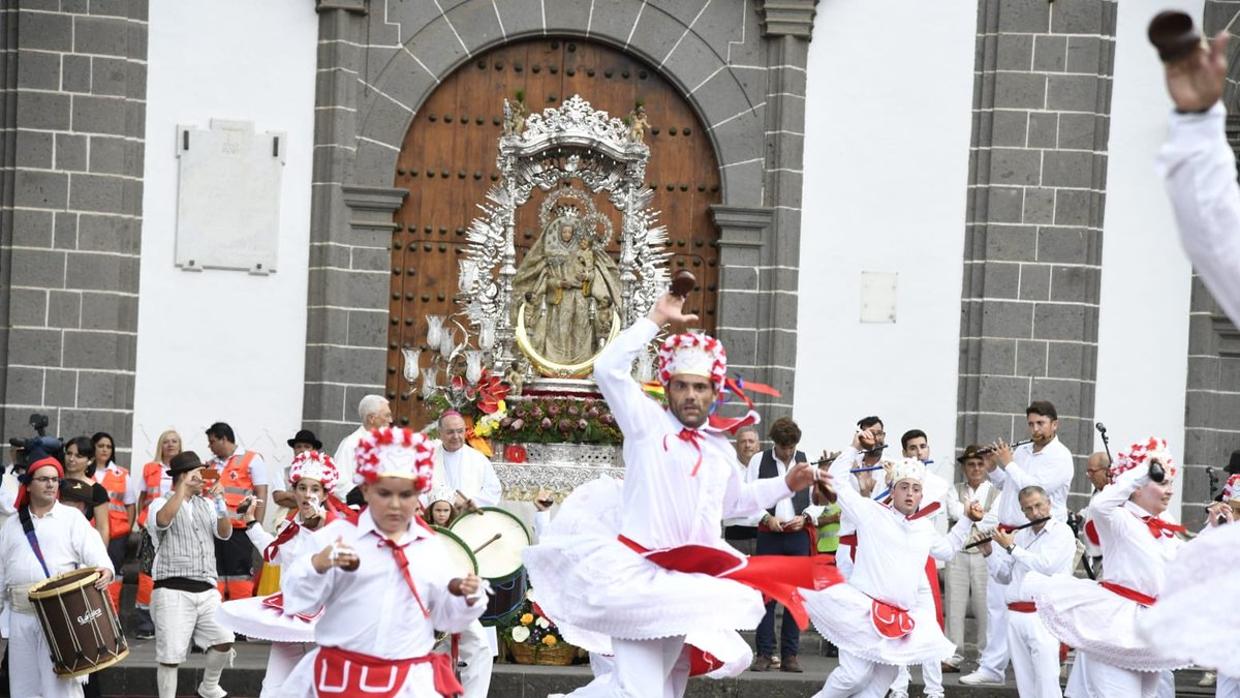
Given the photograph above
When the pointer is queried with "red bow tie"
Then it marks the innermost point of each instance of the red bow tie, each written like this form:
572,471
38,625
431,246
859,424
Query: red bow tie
692,436
402,563
1161,529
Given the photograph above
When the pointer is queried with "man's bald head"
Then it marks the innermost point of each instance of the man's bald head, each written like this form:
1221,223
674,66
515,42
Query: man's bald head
1097,469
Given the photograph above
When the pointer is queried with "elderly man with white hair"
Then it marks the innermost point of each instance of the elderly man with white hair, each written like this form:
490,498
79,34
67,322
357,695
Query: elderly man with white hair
375,413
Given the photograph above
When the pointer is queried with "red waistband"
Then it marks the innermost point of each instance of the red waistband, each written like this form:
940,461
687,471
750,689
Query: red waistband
1130,594
776,576
377,677
848,539
1023,607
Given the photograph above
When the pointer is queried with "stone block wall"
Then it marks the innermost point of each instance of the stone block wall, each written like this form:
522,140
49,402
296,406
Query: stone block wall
1033,236
73,106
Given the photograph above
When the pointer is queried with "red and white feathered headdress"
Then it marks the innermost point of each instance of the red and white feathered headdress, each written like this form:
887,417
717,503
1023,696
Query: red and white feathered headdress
907,469
395,452
1140,454
314,466
694,354
1231,490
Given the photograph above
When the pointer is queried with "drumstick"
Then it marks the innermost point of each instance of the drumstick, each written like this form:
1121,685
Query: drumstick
469,504
493,538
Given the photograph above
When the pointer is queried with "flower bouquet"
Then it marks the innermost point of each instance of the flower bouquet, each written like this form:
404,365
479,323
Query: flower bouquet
532,638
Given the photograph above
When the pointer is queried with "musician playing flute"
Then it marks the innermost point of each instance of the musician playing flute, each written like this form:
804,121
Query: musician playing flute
884,617
62,540
1046,547
383,585
1101,619
631,569
1044,462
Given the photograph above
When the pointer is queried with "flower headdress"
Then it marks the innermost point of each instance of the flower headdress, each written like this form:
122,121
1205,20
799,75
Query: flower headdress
395,452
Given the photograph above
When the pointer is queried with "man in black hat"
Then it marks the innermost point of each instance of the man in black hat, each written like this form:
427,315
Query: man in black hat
966,573
303,442
185,598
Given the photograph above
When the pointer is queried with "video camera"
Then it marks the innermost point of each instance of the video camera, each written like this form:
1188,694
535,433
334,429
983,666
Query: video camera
36,447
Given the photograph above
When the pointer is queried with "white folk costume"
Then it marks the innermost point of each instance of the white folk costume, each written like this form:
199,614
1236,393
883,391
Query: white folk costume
632,569
1100,618
1051,469
1034,650
378,623
1207,569
263,618
884,616
467,471
67,541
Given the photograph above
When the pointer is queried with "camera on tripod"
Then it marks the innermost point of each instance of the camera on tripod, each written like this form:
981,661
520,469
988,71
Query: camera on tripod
38,446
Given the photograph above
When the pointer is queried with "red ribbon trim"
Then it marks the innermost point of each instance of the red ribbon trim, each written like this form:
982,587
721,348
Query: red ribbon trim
1161,529
692,436
402,563
1023,607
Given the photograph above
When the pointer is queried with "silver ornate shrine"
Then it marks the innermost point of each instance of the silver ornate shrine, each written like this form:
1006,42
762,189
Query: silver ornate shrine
559,151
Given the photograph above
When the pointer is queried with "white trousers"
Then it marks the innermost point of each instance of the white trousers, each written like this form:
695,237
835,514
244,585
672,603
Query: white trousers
931,676
475,655
642,669
857,677
1035,656
1227,687
965,582
994,659
30,662
280,662
1091,678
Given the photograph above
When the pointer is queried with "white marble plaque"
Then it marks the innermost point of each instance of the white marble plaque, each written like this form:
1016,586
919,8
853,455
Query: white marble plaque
228,197
878,296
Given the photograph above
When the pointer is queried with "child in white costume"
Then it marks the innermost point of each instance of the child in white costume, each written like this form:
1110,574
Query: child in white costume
884,616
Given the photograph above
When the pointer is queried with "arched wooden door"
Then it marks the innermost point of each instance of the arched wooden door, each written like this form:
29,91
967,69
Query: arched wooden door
447,162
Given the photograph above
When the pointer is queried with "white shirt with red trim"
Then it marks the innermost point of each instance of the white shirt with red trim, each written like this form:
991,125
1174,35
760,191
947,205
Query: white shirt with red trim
1132,556
891,548
666,504
371,610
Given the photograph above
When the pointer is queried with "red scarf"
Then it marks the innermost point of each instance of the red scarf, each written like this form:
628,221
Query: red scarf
339,673
1161,529
690,436
334,510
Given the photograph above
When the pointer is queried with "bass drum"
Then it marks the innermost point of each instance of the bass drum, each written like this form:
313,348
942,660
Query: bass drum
497,539
460,561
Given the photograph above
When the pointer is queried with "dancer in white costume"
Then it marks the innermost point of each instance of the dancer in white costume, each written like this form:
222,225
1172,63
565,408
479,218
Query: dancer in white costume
884,616
383,585
313,476
1207,568
632,569
1100,618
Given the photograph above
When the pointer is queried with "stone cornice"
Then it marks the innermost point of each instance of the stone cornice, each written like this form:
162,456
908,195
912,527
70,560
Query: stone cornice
787,17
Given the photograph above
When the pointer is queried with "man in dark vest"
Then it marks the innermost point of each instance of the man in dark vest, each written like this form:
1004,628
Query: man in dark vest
782,530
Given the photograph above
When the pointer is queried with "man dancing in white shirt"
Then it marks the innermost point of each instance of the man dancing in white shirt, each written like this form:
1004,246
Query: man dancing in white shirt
1047,547
668,574
1044,462
384,586
884,617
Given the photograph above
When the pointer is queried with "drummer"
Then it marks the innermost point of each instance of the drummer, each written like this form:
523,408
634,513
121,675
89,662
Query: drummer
66,541
313,477
439,510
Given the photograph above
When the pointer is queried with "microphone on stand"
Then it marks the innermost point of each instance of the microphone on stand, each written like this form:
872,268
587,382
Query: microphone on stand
1106,443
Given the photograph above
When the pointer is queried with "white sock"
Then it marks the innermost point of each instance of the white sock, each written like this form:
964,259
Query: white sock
215,666
166,680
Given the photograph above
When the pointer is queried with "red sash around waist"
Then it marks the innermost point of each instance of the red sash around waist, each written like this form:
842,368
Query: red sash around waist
850,539
1130,594
1023,607
776,576
339,673
276,603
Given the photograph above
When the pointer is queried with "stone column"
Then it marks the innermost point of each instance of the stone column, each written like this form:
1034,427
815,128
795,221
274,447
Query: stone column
1033,236
71,164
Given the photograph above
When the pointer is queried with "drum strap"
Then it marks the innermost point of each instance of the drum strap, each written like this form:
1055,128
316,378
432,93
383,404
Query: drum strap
28,527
